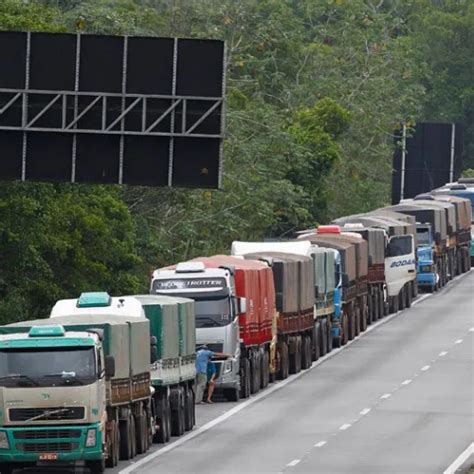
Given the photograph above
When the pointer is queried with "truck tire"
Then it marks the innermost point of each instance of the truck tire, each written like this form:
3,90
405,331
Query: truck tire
329,341
177,412
232,394
317,341
125,439
95,467
133,436
323,338
188,409
284,362
163,434
364,318
409,298
357,318
141,433
256,365
265,370
245,379
345,329
305,360
402,298
295,357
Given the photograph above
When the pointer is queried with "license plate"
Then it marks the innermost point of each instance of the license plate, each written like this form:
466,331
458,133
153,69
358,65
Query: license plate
48,457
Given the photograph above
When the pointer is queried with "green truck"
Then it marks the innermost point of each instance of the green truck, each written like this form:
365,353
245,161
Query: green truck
75,390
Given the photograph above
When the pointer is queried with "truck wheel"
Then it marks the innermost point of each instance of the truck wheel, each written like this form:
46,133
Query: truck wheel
95,467
245,379
364,318
113,457
305,361
255,364
357,318
265,370
284,362
177,413
141,433
133,436
402,298
295,357
323,338
329,341
345,329
317,341
188,409
409,298
414,285
125,439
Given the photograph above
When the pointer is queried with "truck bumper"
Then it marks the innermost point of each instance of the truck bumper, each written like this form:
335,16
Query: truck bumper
426,279
64,444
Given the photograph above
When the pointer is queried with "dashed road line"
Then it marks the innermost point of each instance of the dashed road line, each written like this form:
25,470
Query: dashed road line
425,368
385,396
345,426
320,444
407,382
365,411
293,463
459,341
471,329
443,353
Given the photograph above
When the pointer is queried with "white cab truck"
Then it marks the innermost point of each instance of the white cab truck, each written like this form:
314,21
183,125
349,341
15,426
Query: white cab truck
76,389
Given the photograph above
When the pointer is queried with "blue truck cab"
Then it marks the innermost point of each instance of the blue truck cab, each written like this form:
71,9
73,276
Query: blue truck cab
426,275
336,322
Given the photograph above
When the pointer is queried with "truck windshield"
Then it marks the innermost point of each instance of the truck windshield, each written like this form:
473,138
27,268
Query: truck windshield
400,245
47,367
212,312
423,236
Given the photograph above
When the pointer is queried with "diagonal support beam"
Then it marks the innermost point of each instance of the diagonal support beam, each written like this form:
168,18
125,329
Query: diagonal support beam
10,103
202,118
123,114
84,112
43,111
163,116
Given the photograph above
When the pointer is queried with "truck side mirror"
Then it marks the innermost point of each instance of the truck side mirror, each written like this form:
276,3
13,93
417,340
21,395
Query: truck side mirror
316,292
153,349
242,305
437,238
344,279
109,366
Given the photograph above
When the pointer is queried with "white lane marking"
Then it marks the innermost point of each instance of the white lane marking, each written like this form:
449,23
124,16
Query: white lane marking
320,444
193,434
460,460
471,329
385,396
458,341
406,382
365,411
425,368
293,463
443,353
345,426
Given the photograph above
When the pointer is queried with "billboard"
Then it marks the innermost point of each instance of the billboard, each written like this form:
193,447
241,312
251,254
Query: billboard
425,158
111,109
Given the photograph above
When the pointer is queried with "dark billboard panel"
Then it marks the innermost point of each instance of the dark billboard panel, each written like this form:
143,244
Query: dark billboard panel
111,109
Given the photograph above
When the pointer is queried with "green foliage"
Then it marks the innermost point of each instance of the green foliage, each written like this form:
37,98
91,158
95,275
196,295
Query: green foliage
314,90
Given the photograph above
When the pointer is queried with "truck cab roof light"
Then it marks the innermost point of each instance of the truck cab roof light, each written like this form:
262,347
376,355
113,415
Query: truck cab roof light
190,267
55,330
329,229
94,300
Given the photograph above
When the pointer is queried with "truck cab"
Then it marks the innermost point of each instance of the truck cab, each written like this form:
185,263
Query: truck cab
426,274
216,308
52,397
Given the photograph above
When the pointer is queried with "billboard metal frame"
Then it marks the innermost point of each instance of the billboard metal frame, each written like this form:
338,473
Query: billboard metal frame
136,102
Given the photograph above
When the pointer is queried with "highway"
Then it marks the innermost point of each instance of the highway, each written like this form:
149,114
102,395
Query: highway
397,400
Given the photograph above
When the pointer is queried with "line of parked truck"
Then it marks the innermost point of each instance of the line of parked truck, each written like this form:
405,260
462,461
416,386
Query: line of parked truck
102,377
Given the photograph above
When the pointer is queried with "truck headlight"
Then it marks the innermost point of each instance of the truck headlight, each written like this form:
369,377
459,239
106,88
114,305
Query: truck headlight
227,366
91,438
4,444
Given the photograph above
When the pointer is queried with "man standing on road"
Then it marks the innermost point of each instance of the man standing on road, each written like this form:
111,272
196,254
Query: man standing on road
203,356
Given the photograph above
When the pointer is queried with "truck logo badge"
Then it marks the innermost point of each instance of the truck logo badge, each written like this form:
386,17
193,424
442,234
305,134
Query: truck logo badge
46,396
402,263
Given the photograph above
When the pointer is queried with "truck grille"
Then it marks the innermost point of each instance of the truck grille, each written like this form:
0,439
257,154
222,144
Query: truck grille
47,447
46,434
69,413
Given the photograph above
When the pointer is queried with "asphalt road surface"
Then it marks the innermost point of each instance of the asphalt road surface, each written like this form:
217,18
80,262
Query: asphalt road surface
400,400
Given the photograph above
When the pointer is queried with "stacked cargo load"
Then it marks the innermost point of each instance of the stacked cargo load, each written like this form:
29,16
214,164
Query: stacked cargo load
293,277
324,262
173,373
348,266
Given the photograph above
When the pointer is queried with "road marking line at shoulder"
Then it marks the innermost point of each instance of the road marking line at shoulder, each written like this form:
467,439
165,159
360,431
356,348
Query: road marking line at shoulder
365,411
458,341
406,382
443,353
460,460
425,368
345,426
421,298
385,396
320,444
293,463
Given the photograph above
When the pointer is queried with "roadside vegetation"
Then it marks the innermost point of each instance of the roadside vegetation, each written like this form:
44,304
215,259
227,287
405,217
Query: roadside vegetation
315,90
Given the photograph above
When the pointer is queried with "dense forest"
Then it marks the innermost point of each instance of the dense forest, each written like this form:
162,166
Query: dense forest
315,91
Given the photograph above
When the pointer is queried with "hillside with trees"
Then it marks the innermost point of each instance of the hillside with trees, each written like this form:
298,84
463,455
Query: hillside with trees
315,91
